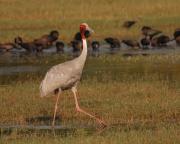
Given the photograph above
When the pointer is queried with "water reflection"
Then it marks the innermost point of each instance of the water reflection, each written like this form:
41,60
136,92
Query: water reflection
10,70
16,56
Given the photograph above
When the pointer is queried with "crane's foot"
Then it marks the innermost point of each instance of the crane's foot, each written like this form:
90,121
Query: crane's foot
102,123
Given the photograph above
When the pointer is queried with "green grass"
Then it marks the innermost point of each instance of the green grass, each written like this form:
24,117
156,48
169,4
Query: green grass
138,98
33,18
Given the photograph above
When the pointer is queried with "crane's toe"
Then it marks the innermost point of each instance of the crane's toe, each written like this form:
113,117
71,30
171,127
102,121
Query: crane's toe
102,123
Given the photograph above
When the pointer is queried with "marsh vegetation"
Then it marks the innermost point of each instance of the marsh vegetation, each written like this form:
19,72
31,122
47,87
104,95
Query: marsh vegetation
137,96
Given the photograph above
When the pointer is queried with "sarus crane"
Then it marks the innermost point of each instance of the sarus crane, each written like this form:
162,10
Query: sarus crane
66,76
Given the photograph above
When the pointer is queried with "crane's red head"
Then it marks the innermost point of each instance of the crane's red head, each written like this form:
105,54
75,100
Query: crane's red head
83,28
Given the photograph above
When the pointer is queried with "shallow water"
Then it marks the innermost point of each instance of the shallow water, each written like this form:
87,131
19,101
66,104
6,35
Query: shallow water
10,70
89,129
16,55
104,49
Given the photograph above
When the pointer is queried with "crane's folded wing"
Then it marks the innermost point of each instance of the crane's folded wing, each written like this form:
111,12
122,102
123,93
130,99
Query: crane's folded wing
59,76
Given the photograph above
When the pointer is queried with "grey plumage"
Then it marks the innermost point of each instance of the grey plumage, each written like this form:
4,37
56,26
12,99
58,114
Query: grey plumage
64,76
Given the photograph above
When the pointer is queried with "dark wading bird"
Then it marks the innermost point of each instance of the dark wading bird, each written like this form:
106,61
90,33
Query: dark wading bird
66,76
113,42
59,47
6,47
128,24
146,30
95,48
148,34
76,43
131,43
28,46
145,43
177,36
46,40
160,41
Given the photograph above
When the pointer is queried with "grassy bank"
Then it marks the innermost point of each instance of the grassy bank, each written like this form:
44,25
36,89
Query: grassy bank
33,18
138,97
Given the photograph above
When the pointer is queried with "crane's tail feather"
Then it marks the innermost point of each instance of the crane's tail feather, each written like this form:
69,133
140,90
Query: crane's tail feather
42,90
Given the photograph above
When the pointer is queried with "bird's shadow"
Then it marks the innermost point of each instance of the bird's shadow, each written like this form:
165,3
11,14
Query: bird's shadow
43,120
133,55
71,130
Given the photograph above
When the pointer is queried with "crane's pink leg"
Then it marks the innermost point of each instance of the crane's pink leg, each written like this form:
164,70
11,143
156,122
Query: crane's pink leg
55,108
74,90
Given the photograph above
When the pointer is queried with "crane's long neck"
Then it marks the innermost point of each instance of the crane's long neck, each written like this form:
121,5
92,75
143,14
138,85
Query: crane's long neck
84,51
82,57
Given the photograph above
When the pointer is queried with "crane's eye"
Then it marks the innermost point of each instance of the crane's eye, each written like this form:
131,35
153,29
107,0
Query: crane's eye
87,33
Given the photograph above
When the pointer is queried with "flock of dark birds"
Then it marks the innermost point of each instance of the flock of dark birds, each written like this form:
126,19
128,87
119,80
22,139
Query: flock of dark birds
151,39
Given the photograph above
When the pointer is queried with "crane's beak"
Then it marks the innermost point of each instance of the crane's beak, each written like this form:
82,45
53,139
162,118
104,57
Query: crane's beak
90,29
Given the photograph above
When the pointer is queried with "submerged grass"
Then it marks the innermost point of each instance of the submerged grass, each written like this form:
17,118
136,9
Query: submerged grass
138,97
162,134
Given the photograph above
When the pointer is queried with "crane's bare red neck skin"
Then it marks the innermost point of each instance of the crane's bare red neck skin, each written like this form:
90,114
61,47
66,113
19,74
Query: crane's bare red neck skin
82,31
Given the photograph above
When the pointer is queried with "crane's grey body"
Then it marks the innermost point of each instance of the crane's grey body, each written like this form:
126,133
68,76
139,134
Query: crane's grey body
64,76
